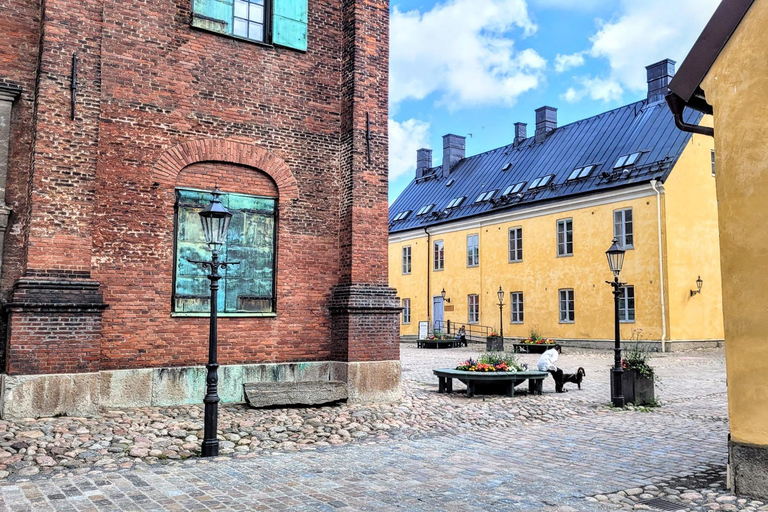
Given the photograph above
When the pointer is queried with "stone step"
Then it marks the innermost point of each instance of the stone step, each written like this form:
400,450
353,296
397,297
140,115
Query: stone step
313,392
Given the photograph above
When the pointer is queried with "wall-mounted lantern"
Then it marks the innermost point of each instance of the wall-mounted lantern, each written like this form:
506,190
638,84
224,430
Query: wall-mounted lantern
699,282
442,294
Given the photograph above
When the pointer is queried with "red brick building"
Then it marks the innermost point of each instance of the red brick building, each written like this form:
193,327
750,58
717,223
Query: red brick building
281,103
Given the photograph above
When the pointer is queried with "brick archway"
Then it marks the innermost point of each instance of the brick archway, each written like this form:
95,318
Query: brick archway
173,160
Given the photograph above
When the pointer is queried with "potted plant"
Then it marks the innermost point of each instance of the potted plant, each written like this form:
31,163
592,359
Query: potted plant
494,343
535,343
638,378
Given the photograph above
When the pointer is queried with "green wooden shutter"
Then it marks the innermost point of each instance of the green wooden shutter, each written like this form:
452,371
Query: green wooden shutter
289,24
215,15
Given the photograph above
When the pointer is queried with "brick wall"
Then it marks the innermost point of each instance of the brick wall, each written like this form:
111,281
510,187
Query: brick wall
162,105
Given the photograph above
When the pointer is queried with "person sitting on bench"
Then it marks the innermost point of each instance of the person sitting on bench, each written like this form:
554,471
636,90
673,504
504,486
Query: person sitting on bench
461,335
547,364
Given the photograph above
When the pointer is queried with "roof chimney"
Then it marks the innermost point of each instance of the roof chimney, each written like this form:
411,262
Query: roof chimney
659,76
546,121
423,161
453,151
521,133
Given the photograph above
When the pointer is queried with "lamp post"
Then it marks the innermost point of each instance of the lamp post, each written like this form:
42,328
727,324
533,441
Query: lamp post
500,295
215,221
615,261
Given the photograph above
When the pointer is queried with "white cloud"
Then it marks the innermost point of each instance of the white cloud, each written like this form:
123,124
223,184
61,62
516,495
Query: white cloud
566,62
580,5
404,139
462,50
647,32
594,88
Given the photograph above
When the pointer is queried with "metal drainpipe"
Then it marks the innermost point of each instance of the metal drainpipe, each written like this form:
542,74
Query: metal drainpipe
661,267
429,296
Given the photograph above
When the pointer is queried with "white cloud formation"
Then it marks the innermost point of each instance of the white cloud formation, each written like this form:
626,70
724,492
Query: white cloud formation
648,31
594,88
566,62
462,50
404,139
580,5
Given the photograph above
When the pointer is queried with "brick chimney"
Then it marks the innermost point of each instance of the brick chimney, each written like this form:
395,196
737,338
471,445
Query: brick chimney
453,151
659,76
521,133
423,161
546,121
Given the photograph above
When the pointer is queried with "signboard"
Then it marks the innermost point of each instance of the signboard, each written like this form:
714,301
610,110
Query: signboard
448,308
423,330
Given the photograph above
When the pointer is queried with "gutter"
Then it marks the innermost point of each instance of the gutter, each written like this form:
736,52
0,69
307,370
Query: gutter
661,267
677,106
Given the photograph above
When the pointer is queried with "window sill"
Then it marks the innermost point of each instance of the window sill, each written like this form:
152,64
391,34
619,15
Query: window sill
515,261
565,255
238,38
626,321
517,323
567,321
224,315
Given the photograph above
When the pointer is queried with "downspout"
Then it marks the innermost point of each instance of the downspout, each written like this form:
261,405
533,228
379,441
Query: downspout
429,295
677,106
661,268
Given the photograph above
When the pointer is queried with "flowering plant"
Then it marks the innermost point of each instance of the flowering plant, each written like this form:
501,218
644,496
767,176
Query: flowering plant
536,339
492,363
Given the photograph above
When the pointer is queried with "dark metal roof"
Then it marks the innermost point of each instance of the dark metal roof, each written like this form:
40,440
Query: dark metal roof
708,46
598,140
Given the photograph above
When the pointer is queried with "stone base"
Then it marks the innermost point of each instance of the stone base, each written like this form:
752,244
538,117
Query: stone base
81,394
313,392
748,469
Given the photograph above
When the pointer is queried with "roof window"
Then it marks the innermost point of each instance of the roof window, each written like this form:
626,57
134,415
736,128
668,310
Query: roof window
402,215
450,182
627,160
514,189
541,182
581,172
456,202
506,166
425,209
485,196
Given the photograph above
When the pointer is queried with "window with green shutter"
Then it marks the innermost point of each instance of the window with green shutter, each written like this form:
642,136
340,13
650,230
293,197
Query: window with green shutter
279,22
244,288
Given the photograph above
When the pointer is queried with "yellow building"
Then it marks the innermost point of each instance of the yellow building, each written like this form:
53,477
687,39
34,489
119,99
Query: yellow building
535,218
725,72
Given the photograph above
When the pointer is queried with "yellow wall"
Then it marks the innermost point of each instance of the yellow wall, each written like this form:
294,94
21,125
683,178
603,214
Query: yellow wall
737,88
692,246
541,274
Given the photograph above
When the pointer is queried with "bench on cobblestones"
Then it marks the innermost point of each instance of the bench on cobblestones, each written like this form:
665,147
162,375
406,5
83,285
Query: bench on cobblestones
451,343
488,380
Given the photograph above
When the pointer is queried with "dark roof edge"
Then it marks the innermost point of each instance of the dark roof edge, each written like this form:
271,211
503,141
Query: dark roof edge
708,46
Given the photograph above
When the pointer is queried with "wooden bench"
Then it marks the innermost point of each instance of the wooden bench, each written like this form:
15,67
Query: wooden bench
508,379
532,348
435,343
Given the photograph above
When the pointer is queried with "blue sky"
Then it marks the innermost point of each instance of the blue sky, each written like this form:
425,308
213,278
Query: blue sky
478,66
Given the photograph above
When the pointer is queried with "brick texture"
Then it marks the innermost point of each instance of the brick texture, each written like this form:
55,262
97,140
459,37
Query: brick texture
161,105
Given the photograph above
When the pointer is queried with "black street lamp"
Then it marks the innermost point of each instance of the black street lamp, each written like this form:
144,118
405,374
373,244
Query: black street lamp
500,295
615,261
215,220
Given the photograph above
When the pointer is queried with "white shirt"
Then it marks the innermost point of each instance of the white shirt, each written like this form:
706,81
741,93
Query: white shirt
547,360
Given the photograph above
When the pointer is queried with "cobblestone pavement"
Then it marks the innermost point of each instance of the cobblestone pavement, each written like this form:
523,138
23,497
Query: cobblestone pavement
429,452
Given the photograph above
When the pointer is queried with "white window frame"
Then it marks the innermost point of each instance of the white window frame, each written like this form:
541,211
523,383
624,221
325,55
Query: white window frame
473,250
407,260
516,308
624,303
438,256
620,231
562,245
712,158
567,305
406,318
473,308
515,254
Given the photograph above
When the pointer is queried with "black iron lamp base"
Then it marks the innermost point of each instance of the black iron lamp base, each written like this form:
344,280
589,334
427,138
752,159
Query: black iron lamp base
210,448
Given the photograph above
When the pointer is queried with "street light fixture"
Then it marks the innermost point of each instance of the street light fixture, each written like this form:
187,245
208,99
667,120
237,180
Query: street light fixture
215,220
699,282
615,261
500,295
442,294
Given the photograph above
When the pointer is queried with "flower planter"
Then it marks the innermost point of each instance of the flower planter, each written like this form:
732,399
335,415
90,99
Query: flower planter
532,348
494,344
636,388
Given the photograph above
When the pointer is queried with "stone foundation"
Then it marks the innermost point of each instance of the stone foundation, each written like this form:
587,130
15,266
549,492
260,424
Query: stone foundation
748,469
81,394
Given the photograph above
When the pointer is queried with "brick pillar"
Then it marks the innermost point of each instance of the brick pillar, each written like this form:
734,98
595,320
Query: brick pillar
364,309
55,308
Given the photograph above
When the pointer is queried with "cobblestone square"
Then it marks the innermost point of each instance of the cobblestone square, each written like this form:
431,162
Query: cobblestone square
430,452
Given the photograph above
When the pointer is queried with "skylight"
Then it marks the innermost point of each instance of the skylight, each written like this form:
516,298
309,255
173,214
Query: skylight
627,160
425,209
541,182
450,182
402,215
484,196
581,172
506,166
456,202
514,189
